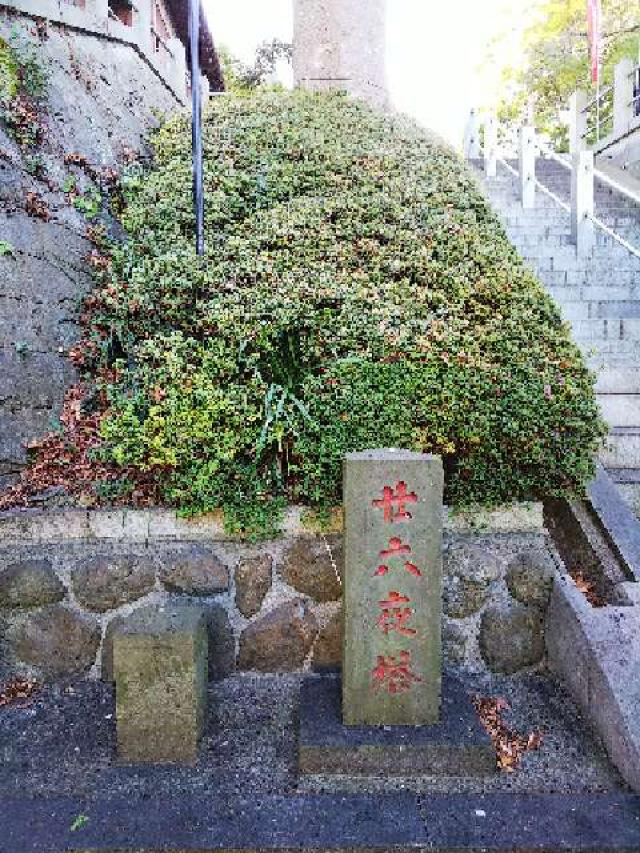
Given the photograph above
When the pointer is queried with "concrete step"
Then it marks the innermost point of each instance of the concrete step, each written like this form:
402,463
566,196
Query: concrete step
403,821
606,330
622,448
620,410
610,309
606,350
563,291
617,379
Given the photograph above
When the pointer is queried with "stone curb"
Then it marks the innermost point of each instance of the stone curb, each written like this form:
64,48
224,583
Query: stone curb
619,522
596,651
133,525
512,823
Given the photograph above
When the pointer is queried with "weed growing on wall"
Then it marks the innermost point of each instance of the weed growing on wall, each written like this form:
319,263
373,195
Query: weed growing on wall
357,292
22,89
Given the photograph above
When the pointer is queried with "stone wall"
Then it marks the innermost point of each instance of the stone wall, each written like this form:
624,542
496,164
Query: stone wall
100,104
67,577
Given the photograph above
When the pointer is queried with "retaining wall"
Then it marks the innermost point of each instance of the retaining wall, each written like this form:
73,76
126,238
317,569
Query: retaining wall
68,576
102,100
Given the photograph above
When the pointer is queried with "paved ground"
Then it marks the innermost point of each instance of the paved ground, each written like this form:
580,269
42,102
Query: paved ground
61,791
64,746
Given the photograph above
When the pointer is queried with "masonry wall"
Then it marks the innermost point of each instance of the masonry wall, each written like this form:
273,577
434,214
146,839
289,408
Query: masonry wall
102,101
68,577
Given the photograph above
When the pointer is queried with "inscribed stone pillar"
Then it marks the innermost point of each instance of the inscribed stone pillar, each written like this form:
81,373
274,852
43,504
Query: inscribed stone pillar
391,670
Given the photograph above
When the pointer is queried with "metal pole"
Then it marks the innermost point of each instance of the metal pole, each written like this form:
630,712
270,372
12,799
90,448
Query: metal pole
196,122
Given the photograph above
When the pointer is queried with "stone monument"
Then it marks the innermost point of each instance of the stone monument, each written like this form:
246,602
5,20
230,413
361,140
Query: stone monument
392,713
340,44
391,669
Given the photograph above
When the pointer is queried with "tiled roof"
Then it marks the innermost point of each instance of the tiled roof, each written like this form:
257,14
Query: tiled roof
179,11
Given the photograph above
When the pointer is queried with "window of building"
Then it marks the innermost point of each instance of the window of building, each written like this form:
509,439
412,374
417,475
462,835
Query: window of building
121,10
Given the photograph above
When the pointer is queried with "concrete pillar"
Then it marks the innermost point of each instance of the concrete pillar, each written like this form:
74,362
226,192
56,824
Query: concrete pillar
623,111
160,673
577,122
178,72
491,146
527,167
582,202
205,89
340,44
142,21
471,144
97,13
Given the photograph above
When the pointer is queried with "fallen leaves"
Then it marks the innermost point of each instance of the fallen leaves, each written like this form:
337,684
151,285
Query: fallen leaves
587,587
66,459
37,207
19,690
510,745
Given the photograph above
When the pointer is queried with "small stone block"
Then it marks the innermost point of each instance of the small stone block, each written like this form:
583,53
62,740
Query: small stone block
457,746
392,588
160,673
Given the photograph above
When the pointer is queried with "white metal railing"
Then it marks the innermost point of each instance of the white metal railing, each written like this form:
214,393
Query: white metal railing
580,167
598,115
609,116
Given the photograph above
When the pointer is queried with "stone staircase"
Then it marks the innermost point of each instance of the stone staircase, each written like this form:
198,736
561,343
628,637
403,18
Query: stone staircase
598,294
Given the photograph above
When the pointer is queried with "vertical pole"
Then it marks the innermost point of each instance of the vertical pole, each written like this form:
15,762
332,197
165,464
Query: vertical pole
490,146
527,167
582,202
196,122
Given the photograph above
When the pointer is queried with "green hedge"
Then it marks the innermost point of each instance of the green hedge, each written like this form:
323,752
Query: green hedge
357,291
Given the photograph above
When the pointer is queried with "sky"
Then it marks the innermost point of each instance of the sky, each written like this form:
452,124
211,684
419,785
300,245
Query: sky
435,50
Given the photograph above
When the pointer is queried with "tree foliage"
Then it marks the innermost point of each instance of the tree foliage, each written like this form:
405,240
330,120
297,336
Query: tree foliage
241,79
556,59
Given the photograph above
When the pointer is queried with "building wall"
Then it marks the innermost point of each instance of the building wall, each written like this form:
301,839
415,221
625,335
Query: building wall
340,44
102,98
94,16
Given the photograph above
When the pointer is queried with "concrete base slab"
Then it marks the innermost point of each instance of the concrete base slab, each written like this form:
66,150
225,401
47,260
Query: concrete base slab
462,823
457,746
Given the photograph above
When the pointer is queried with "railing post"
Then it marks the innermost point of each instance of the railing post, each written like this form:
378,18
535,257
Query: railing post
577,122
582,202
490,146
623,96
472,137
527,166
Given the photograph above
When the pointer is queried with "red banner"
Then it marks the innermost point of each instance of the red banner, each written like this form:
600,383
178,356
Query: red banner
594,30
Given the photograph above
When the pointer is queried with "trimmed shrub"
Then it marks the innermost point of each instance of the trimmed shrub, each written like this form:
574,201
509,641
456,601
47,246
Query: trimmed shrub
357,291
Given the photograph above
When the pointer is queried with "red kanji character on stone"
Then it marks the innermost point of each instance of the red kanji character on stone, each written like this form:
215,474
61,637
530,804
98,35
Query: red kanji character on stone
397,548
393,675
395,614
393,502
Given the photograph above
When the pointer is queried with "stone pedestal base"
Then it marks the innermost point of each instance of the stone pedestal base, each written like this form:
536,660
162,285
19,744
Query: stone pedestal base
160,672
457,746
